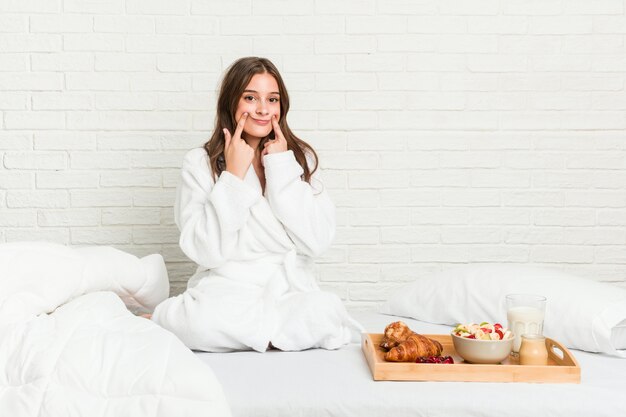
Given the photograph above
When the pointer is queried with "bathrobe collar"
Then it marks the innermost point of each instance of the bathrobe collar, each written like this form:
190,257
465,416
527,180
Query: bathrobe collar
252,179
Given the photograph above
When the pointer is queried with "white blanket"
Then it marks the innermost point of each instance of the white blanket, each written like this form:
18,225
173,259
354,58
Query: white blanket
70,347
255,281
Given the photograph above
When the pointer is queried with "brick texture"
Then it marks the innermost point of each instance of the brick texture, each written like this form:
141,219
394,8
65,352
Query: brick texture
451,132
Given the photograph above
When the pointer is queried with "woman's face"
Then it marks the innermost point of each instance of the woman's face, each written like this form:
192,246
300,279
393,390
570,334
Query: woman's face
261,100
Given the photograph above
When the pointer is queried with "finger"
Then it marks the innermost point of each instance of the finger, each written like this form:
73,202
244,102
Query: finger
239,129
277,132
227,138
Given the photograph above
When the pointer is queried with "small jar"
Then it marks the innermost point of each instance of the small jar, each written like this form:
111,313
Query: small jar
533,350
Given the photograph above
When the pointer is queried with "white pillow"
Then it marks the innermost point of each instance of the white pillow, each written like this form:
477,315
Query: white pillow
580,313
38,277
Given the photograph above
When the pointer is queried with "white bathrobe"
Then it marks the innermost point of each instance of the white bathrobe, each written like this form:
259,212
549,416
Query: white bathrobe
255,281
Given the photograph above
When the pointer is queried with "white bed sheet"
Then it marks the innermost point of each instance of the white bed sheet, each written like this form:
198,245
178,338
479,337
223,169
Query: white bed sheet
317,383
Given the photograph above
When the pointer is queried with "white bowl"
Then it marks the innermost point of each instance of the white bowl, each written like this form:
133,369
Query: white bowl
482,351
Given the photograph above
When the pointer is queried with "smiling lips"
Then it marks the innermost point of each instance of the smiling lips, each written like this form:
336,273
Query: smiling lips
261,122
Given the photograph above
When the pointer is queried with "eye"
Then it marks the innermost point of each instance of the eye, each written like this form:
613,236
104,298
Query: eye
249,98
274,100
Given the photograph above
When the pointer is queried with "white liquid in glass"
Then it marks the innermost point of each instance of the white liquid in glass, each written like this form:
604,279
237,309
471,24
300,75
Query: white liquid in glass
524,320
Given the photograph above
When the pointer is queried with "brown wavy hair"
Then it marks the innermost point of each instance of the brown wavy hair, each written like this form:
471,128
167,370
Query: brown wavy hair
234,83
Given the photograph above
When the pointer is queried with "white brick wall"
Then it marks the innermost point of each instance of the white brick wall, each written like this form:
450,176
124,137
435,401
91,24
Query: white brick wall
450,132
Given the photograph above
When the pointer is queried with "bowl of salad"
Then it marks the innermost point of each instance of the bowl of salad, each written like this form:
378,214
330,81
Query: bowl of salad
482,342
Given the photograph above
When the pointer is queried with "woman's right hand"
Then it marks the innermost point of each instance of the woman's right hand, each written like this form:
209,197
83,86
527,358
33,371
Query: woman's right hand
237,153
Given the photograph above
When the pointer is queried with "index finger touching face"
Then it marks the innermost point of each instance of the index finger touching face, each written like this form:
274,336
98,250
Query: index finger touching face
240,123
278,132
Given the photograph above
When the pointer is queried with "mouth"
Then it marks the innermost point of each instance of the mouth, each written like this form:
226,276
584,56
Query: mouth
260,122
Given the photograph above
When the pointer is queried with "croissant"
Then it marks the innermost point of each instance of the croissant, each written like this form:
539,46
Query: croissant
395,333
414,347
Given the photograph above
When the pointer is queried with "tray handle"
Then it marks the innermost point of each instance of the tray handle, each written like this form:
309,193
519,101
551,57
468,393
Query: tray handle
563,357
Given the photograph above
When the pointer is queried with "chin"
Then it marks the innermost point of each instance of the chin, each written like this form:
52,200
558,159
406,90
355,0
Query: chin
256,132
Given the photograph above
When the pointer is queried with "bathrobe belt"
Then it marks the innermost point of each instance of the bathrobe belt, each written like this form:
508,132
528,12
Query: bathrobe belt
263,272
298,281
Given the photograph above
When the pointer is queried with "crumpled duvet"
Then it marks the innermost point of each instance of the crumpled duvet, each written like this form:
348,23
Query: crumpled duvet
70,347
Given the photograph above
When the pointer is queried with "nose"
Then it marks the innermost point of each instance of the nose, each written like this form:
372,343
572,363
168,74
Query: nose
262,108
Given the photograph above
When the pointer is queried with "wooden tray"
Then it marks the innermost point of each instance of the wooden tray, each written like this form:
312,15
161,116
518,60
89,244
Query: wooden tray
562,366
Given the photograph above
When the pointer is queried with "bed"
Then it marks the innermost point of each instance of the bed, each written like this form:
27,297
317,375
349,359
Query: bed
319,383
70,346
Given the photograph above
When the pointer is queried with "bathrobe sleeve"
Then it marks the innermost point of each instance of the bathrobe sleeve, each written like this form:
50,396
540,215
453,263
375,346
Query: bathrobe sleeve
304,209
208,213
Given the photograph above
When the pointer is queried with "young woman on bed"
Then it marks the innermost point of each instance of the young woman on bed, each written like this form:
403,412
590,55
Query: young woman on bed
252,214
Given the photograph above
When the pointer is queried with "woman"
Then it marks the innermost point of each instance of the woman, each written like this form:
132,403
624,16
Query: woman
253,214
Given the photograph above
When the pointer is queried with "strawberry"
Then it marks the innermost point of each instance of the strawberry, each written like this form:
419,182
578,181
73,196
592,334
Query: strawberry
499,332
435,359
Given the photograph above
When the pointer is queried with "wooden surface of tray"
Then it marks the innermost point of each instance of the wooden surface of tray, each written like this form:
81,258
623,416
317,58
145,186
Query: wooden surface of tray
562,367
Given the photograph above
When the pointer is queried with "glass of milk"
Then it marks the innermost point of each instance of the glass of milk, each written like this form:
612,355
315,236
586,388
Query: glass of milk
525,313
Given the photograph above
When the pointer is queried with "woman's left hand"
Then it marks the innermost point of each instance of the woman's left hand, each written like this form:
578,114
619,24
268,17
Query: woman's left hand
276,145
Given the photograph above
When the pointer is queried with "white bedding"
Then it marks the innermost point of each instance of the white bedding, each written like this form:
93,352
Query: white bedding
70,347
317,383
